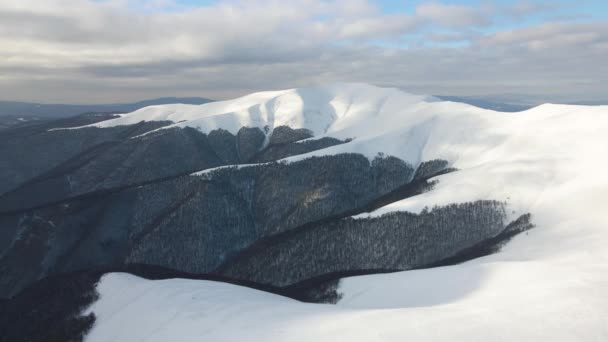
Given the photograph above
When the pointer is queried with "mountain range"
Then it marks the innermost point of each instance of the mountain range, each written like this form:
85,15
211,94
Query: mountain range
232,220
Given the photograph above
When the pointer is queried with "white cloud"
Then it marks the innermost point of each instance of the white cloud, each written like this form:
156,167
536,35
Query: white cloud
68,50
455,15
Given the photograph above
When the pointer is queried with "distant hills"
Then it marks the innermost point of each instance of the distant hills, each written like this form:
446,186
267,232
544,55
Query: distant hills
50,111
488,103
28,111
512,103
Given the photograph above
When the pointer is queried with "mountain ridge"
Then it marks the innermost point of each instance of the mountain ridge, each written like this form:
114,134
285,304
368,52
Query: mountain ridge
314,187
57,110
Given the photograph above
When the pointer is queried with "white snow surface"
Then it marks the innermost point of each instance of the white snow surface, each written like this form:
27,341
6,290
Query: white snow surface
550,284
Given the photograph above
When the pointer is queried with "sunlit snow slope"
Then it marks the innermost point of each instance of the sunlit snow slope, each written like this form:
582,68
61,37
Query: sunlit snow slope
548,284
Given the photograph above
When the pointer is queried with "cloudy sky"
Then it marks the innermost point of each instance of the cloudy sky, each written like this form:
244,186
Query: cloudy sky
78,51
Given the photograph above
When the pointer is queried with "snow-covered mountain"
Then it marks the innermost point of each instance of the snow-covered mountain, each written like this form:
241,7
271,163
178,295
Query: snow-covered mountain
482,171
528,159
